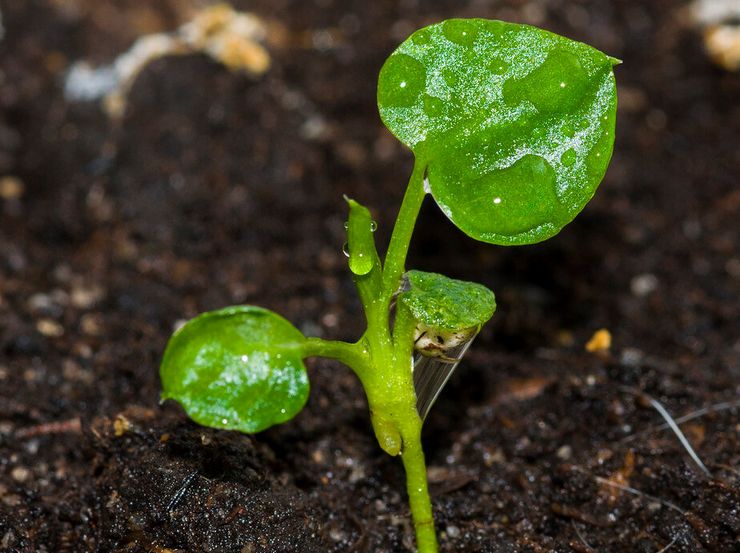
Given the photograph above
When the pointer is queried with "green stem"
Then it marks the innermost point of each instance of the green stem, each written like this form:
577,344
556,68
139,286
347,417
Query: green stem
416,485
395,257
384,364
355,356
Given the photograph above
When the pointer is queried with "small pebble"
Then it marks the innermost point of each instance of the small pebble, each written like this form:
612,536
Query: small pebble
49,327
84,298
20,474
564,452
91,324
452,531
121,425
601,341
337,535
11,188
644,284
631,357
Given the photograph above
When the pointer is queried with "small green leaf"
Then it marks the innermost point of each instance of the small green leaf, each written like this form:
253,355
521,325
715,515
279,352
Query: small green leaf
238,368
360,227
446,304
515,124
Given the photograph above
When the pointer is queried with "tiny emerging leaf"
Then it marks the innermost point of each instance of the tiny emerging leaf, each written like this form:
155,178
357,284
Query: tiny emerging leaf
445,304
448,315
516,124
238,368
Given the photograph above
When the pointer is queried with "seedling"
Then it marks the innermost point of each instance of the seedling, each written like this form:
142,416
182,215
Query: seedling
512,128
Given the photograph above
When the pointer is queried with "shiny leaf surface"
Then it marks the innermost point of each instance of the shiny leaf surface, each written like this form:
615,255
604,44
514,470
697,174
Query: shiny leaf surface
515,123
238,368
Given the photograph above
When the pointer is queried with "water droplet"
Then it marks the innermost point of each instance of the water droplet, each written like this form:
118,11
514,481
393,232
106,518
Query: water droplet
402,80
450,76
245,358
527,197
422,36
584,124
497,66
568,130
568,157
433,107
345,249
346,225
373,226
224,421
282,411
544,88
460,31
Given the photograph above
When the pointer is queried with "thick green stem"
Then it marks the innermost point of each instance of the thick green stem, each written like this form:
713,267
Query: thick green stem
384,364
416,485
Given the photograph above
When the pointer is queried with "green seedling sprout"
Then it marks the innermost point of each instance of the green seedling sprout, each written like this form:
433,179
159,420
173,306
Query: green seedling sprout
512,129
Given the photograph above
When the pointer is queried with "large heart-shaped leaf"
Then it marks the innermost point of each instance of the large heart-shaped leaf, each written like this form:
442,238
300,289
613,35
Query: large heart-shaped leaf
238,368
516,124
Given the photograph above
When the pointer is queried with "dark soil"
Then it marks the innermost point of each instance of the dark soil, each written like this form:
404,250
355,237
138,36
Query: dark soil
217,188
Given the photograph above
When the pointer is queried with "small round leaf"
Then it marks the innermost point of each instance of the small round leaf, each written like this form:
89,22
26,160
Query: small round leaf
515,124
238,368
446,304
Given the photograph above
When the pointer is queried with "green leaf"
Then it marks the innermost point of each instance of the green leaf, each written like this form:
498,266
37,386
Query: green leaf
238,368
363,256
446,304
516,124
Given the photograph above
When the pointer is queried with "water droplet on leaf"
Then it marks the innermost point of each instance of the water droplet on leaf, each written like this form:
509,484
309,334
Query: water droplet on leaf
422,36
433,107
497,66
542,87
402,79
450,77
345,249
526,194
460,31
568,157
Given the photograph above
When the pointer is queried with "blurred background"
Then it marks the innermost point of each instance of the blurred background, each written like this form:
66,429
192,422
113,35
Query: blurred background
159,159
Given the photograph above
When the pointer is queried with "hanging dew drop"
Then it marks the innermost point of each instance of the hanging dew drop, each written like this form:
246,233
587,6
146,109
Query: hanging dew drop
346,225
345,249
373,226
